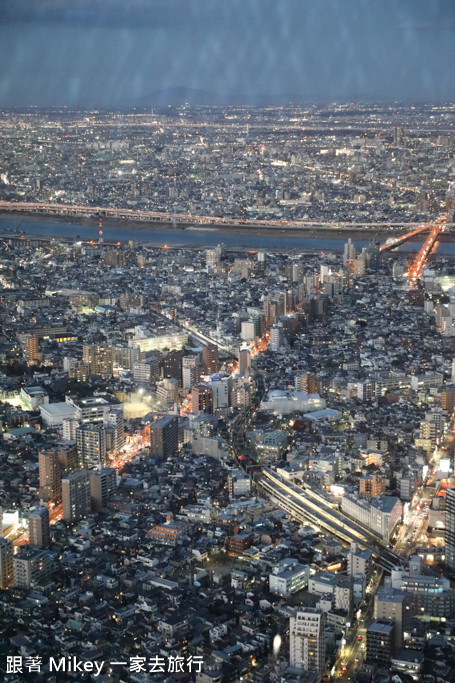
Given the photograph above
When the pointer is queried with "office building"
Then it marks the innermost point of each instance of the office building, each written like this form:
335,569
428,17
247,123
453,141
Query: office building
202,399
67,455
221,388
38,526
190,376
244,362
164,436
50,476
91,444
393,604
210,361
76,495
31,567
6,563
103,484
307,640
147,371
288,577
247,331
380,641
172,365
168,392
349,252
276,335
239,483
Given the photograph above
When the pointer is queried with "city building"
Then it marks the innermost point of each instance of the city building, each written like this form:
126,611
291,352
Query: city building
164,436
76,495
380,641
6,563
288,577
50,475
307,640
38,526
91,444
31,567
103,484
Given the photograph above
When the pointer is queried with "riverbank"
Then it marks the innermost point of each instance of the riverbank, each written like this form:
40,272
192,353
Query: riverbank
336,231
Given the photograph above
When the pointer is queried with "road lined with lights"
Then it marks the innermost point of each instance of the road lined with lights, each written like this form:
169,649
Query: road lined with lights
415,271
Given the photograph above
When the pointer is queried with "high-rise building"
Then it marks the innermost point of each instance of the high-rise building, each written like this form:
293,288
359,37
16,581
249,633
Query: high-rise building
6,563
306,382
450,529
212,259
307,640
247,331
31,566
393,604
172,365
202,399
91,444
275,337
244,362
76,495
50,476
164,436
31,347
38,526
103,484
448,399
360,562
349,252
168,392
380,641
190,374
67,454
115,431
99,358
69,426
210,361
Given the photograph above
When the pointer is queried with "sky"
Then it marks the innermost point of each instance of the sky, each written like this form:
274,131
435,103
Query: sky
140,53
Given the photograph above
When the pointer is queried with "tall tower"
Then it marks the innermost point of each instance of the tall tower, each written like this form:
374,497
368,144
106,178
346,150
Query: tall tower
100,232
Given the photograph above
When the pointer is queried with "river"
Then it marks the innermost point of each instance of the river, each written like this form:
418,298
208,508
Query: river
192,237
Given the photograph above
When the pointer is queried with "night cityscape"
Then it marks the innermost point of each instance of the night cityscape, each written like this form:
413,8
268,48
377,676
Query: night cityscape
227,344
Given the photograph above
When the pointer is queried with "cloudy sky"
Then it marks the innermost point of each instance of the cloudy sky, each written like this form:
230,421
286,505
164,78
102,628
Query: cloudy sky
120,53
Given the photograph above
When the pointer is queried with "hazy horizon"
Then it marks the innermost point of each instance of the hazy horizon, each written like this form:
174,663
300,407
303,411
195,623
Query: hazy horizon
110,54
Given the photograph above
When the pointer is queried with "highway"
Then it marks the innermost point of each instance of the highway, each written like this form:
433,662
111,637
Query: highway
47,209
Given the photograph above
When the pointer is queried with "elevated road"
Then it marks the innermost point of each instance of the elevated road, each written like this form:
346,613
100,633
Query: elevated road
314,507
96,212
415,271
397,241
